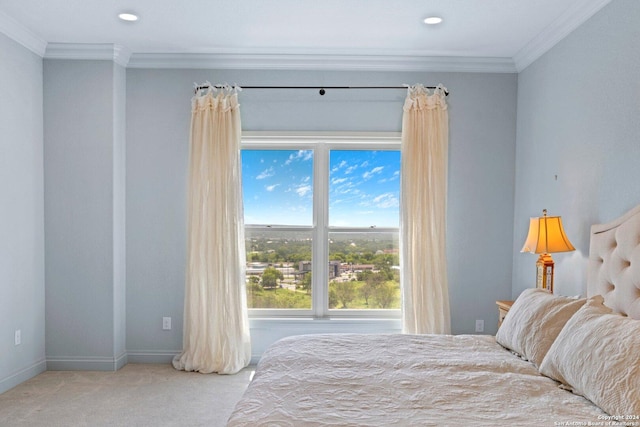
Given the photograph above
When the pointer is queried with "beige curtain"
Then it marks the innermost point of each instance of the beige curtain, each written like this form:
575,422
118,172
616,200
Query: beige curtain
423,263
216,327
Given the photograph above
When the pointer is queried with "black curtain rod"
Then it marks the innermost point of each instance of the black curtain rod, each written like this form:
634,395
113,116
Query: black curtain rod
321,88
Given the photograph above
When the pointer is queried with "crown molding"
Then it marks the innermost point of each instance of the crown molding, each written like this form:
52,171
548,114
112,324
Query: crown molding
89,51
343,62
22,35
571,19
294,60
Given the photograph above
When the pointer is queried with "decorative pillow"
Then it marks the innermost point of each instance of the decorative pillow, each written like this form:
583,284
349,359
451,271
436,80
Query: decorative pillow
534,321
597,355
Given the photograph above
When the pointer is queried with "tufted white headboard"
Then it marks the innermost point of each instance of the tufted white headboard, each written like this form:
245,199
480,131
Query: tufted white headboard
614,263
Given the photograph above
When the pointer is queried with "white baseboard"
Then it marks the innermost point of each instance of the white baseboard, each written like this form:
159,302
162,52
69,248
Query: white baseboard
23,375
87,363
151,356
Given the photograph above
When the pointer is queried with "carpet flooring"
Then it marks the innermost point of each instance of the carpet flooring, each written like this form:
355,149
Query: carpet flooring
136,395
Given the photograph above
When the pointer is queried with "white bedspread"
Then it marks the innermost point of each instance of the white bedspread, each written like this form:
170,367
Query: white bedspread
403,380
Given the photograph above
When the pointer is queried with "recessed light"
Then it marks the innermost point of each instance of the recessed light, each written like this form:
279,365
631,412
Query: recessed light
128,16
433,20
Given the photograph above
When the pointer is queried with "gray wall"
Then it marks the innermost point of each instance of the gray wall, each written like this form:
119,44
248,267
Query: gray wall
21,215
84,202
578,115
481,179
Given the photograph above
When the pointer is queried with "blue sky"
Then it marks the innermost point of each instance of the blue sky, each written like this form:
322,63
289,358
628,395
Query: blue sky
364,187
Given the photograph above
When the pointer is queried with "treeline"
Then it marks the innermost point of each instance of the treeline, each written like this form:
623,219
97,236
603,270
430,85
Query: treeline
368,290
342,248
342,295
364,295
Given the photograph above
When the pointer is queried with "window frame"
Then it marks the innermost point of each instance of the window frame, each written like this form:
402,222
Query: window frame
322,144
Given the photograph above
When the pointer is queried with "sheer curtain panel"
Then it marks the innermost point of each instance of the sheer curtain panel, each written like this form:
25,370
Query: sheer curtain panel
423,189
216,326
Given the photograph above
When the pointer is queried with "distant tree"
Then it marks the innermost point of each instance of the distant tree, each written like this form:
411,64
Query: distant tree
305,283
364,276
337,256
385,294
254,287
371,283
352,258
366,290
368,256
385,261
345,292
270,278
378,278
333,297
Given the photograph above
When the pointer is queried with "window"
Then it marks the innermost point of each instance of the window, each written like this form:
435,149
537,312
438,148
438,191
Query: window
321,226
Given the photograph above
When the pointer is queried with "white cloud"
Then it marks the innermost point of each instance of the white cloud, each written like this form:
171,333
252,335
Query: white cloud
338,180
266,173
350,169
372,172
339,166
303,190
303,155
345,188
271,187
386,200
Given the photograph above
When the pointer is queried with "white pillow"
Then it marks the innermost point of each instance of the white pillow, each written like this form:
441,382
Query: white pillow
534,321
597,354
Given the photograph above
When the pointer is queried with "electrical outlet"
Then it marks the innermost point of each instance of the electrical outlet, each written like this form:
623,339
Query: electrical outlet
166,323
18,337
479,325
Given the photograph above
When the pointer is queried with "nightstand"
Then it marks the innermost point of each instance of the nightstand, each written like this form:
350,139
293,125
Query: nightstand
503,309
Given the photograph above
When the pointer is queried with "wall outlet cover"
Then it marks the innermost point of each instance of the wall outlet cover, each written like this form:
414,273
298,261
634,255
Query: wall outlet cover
479,325
166,323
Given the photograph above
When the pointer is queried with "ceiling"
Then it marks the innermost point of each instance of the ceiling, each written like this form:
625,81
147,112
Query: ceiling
507,31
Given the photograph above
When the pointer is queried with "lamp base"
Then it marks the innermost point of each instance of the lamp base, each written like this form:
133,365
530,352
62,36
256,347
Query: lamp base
544,269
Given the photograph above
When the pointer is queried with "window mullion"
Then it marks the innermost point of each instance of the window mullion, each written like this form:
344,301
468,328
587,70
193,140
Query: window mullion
320,219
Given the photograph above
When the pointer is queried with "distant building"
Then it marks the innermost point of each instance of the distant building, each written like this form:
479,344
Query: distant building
334,269
304,266
256,268
355,268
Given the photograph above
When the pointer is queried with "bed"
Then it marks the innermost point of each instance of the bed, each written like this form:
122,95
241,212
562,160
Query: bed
555,361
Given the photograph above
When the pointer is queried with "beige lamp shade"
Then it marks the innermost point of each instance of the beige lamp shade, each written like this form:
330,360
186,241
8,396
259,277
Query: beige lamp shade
546,236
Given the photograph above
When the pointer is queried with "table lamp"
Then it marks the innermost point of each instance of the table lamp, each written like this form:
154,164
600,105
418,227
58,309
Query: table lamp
546,236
